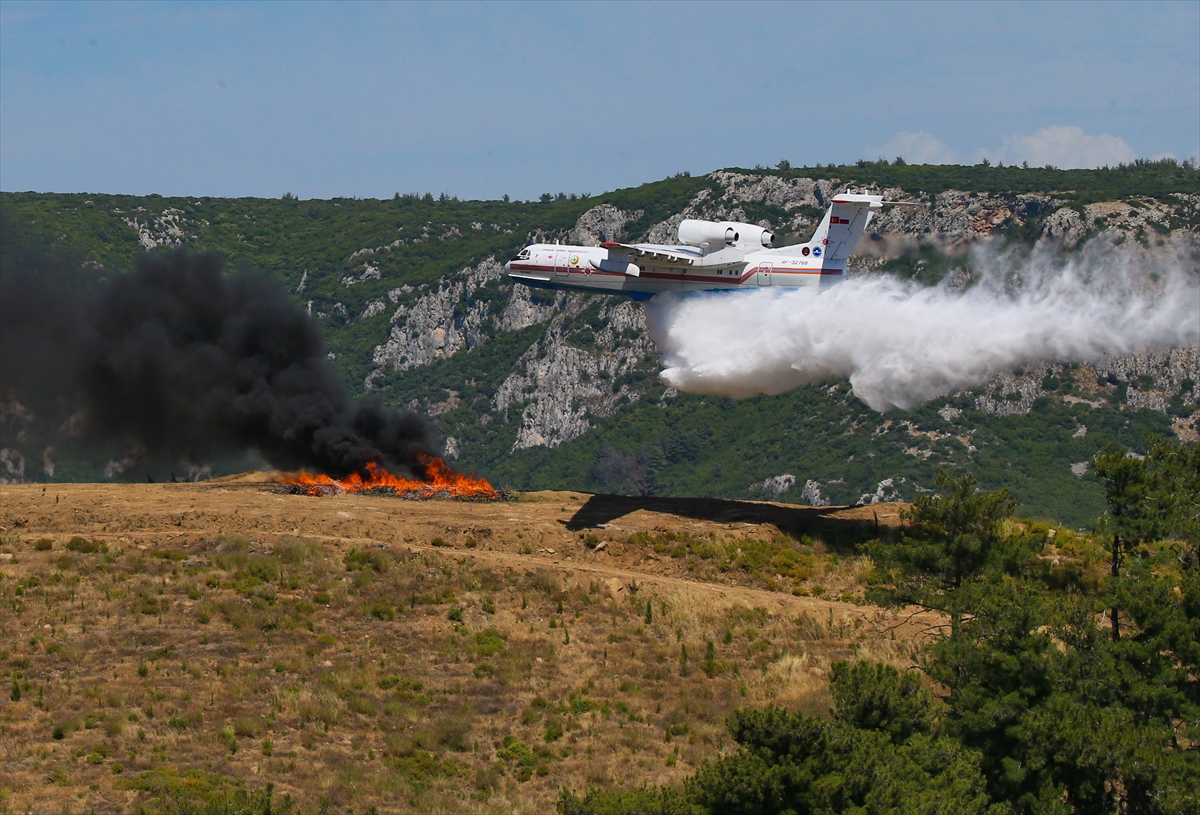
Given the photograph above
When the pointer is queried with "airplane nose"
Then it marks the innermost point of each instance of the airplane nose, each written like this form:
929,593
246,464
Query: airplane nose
508,267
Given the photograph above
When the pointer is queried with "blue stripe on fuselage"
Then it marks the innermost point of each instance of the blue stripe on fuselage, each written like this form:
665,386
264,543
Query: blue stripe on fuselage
536,283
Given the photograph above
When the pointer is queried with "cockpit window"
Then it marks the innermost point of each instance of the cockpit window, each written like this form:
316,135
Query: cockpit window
524,255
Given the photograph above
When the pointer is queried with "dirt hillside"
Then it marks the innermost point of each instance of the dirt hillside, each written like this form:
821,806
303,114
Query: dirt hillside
174,640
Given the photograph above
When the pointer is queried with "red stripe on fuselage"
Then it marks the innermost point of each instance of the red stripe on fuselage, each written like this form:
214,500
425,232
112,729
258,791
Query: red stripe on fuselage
681,277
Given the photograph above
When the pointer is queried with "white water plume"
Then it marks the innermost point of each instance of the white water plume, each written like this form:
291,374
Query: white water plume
901,344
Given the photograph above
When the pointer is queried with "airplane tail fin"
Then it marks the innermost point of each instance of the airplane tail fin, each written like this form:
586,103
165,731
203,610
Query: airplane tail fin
840,229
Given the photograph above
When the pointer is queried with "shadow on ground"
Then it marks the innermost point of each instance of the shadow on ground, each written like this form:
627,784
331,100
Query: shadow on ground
831,525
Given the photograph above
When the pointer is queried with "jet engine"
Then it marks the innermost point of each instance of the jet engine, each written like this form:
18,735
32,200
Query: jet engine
754,236
709,234
706,233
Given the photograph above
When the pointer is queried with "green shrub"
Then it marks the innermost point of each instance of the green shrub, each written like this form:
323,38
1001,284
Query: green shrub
87,547
417,767
169,554
374,560
487,642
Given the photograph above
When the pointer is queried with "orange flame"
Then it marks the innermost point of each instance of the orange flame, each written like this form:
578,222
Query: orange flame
443,482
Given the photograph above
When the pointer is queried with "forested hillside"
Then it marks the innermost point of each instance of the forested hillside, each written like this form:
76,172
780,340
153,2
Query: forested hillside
534,390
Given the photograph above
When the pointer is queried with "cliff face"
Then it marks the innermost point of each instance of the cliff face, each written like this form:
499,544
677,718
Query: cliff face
438,324
573,374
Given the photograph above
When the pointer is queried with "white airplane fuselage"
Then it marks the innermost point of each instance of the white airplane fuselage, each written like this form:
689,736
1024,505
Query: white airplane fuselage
711,256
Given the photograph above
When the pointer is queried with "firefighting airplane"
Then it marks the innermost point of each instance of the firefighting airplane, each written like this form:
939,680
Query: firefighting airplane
713,256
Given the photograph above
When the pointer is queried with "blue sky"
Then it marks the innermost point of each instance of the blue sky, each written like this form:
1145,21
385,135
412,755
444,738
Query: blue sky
480,100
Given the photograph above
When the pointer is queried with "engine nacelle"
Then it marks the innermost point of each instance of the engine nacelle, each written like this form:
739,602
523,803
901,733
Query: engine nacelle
706,233
754,236
710,234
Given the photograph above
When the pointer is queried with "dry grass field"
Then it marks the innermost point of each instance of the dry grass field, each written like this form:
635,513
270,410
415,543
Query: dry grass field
165,644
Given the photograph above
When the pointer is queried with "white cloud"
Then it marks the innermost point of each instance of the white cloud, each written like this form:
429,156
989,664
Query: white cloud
916,148
1065,147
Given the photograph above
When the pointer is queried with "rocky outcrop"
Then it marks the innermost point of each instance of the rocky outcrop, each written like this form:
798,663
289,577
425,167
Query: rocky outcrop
599,224
1066,226
773,190
374,308
886,492
1013,394
558,385
521,312
370,272
1166,370
1152,380
1147,217
951,218
396,244
812,495
775,485
437,324
162,230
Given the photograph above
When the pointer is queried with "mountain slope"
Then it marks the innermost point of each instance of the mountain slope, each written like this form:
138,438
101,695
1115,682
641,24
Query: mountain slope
537,390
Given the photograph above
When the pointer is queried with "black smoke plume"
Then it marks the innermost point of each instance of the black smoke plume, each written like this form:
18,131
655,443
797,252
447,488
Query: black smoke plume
180,359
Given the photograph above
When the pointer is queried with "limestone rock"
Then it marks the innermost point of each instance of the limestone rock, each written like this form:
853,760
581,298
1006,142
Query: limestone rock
812,494
1166,369
776,485
521,312
162,230
885,493
559,385
1066,226
599,224
774,190
440,323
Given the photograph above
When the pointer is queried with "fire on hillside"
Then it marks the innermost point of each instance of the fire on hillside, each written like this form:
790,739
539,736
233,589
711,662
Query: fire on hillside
443,483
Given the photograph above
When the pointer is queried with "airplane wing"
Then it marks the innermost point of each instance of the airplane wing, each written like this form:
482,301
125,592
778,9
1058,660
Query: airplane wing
656,254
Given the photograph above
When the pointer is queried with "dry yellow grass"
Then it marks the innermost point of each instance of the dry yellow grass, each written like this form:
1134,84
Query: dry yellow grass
247,636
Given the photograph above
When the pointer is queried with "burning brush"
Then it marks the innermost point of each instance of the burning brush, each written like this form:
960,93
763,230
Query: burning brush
443,483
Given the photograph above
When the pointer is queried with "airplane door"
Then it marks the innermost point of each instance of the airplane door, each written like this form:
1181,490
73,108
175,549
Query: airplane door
764,274
560,263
